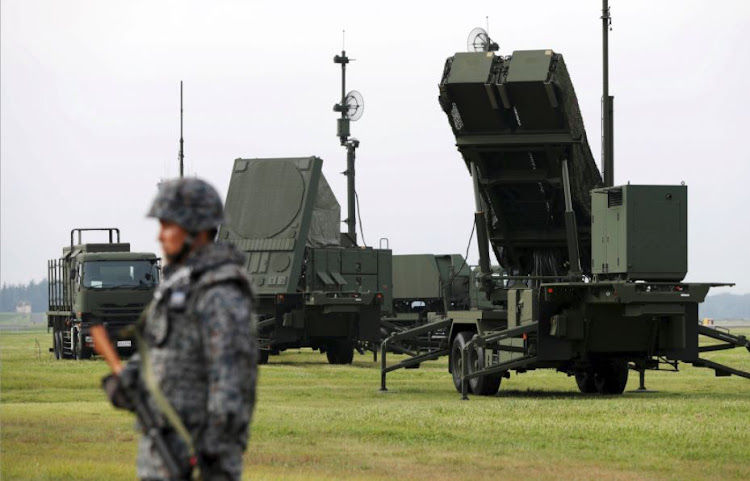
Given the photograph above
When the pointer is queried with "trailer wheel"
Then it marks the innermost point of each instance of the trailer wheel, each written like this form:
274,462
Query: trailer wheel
346,352
487,385
482,385
340,352
611,377
585,381
455,359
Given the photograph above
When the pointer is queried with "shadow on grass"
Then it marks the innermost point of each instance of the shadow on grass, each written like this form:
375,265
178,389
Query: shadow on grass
358,363
542,394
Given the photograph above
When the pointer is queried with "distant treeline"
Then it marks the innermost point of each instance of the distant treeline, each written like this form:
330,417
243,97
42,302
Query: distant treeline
34,293
726,306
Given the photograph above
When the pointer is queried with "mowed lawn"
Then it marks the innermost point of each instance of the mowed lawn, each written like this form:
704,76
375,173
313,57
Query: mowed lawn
319,422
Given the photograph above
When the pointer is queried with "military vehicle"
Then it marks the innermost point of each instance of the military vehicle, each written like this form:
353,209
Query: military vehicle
425,283
425,288
97,283
429,283
592,274
315,286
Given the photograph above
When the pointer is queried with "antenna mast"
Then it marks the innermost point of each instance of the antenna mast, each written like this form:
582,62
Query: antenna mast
182,152
351,108
608,102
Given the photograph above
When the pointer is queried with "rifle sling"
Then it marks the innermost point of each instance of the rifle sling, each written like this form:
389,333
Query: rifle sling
160,400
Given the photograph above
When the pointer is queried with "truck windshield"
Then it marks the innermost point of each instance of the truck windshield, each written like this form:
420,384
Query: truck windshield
120,274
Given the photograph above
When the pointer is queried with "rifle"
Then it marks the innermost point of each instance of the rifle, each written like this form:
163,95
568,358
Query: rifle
146,418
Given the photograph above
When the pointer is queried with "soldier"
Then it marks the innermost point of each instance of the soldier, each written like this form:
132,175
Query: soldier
197,363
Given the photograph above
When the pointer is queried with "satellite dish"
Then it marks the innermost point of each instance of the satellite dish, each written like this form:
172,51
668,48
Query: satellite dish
355,105
480,41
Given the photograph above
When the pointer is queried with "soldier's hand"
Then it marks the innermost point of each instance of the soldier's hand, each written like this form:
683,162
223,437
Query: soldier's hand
113,386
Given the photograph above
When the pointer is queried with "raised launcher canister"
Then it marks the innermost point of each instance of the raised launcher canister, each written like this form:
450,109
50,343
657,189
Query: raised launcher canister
559,304
519,129
315,287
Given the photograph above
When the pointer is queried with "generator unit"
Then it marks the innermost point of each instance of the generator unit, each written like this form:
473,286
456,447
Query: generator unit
639,232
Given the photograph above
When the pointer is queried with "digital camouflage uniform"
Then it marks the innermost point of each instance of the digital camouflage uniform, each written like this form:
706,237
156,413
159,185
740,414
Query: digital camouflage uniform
201,342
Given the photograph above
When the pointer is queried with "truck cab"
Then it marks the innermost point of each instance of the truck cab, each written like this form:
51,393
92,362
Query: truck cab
98,283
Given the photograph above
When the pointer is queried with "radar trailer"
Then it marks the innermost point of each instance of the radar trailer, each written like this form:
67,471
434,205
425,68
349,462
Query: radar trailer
315,287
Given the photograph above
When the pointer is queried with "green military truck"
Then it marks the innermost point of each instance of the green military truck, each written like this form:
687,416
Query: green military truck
315,286
97,283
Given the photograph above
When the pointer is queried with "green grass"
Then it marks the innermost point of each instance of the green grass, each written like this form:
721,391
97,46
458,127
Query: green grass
314,422
14,318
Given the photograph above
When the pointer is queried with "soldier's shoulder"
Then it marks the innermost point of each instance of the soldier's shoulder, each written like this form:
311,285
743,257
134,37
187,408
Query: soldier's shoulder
219,292
225,297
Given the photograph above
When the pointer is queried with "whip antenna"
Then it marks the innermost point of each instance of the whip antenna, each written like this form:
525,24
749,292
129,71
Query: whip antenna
181,155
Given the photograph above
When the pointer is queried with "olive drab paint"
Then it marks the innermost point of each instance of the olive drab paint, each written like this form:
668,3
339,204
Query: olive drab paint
315,288
590,275
97,283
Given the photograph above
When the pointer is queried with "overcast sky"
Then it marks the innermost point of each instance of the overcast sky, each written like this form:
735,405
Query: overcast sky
89,110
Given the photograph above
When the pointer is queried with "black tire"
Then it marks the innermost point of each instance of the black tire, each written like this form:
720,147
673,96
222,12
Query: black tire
611,377
80,350
455,359
482,385
263,356
332,355
63,353
346,352
340,352
585,381
57,345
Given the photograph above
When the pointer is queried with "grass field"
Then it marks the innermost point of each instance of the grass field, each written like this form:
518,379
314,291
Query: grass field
319,422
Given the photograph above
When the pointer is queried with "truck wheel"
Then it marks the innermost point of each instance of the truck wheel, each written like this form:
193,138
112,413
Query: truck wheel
611,377
482,385
585,381
57,345
79,348
61,341
263,356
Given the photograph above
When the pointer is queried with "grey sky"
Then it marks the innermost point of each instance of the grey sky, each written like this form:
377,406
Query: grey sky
89,109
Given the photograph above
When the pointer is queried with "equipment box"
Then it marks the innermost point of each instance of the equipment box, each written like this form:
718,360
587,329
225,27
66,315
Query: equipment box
639,232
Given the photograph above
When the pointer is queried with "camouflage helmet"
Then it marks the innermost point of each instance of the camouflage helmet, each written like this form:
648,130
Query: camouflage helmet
190,203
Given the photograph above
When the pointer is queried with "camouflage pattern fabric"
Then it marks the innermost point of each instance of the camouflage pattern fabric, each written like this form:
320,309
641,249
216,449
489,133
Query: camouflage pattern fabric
189,202
203,349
